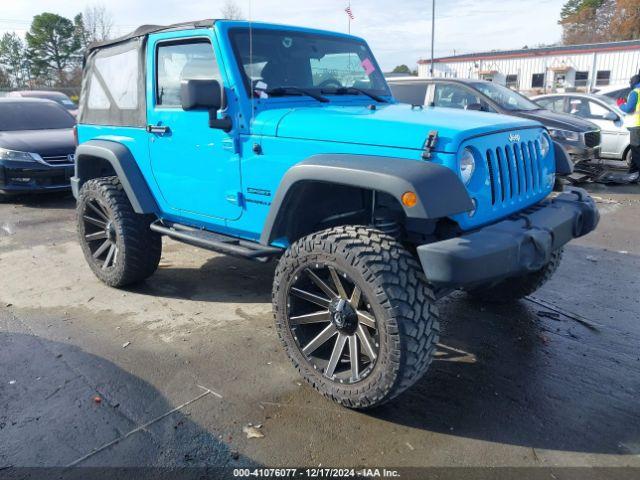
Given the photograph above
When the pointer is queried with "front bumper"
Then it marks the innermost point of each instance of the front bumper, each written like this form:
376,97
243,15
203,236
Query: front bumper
518,245
582,153
16,179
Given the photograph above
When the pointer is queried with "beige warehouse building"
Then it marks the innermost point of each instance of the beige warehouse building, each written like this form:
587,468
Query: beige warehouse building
559,68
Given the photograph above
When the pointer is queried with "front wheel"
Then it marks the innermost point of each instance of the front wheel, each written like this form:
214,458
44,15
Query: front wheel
117,242
513,289
355,314
629,159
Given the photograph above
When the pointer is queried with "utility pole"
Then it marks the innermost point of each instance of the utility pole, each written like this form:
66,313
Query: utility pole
433,31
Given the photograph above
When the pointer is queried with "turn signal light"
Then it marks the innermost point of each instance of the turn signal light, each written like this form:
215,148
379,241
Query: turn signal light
409,199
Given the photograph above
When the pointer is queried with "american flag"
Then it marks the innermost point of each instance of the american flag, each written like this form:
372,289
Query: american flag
349,12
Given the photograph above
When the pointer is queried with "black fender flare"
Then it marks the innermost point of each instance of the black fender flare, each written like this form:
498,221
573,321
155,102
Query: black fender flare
125,166
440,191
564,165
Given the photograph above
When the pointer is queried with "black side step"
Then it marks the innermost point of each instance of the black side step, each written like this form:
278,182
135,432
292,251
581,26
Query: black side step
215,241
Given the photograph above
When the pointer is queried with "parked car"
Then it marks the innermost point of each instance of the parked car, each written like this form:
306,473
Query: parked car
581,138
57,97
36,146
287,144
601,110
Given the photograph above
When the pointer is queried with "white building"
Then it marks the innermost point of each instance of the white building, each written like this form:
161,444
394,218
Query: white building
561,68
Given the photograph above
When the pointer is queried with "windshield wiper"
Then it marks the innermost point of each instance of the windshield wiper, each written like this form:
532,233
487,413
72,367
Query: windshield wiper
281,91
347,90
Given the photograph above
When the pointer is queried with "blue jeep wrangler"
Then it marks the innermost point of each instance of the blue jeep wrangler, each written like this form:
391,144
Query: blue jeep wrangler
264,141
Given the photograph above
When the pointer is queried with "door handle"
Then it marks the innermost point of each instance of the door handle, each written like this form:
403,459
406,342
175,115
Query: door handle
158,129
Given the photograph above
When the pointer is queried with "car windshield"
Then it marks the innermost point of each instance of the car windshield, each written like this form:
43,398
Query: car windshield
33,116
505,97
286,62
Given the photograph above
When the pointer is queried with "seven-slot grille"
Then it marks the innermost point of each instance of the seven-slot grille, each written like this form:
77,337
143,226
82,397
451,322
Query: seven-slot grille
592,139
515,171
59,160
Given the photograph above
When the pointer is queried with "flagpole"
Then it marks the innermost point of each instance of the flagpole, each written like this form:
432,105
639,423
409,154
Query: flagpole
433,31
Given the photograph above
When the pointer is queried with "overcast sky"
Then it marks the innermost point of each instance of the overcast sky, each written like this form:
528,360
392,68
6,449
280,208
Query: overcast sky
398,31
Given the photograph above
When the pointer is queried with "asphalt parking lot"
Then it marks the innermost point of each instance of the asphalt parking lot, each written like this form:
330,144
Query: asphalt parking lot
169,372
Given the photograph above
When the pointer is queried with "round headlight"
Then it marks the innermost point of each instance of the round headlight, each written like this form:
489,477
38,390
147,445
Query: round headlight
467,165
544,146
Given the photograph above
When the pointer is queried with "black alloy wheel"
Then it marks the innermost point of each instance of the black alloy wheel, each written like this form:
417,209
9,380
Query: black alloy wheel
332,323
100,234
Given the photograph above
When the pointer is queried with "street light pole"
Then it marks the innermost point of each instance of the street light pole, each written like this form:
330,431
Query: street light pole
433,31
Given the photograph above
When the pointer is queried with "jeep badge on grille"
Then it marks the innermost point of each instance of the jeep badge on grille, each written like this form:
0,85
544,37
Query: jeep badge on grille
514,137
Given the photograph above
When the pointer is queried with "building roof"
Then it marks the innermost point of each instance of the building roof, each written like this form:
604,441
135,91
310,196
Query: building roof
538,52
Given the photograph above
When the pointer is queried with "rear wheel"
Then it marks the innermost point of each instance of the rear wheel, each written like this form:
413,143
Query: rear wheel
513,289
117,242
355,314
629,159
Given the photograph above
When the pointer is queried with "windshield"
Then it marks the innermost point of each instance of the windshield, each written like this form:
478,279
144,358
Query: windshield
33,116
505,97
288,60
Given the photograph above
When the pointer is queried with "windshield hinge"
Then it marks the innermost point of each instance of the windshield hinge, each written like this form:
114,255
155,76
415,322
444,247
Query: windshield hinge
429,144
230,144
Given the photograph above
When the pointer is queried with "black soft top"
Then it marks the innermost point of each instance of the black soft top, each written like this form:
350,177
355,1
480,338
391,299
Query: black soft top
145,30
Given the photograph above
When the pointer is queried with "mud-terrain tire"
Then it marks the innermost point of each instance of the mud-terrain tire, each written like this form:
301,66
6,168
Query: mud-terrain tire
117,242
513,289
395,298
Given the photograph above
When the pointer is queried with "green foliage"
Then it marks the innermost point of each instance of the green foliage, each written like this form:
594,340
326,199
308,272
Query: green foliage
572,7
402,69
53,45
82,34
13,61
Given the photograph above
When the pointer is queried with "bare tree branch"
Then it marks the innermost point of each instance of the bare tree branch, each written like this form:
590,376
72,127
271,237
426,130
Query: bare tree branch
231,11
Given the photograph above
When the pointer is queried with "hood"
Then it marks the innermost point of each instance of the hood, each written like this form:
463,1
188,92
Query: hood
46,143
393,125
564,121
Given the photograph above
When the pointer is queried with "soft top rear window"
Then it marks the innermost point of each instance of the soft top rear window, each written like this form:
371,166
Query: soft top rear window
16,116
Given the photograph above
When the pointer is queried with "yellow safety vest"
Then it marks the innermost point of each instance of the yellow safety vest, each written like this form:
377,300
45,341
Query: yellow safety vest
632,120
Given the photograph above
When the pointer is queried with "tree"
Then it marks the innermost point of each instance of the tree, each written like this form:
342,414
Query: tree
13,59
581,21
53,46
231,10
402,69
585,21
97,23
626,20
82,34
5,79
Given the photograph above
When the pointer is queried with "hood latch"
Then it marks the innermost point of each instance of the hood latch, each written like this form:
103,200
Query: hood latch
429,144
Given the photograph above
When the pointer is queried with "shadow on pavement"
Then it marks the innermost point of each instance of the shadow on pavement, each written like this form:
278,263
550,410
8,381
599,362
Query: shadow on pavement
42,200
221,279
542,384
49,416
536,381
